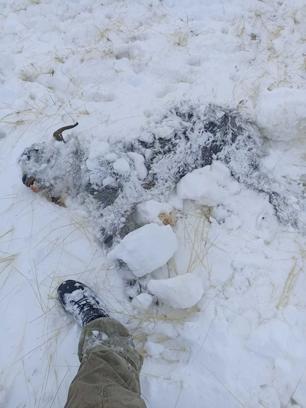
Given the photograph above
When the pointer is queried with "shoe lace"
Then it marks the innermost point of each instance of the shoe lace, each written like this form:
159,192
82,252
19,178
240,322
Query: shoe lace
83,305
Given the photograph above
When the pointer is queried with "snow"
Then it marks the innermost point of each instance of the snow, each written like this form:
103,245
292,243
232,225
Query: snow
180,292
146,249
142,301
114,66
149,211
121,166
281,112
210,185
139,164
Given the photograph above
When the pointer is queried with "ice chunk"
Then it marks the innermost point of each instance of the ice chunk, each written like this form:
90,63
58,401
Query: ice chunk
180,292
146,249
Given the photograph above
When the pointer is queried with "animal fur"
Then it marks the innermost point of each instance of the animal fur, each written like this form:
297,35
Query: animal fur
185,138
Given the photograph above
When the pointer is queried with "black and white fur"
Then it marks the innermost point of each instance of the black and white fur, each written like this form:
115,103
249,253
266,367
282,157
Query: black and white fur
187,137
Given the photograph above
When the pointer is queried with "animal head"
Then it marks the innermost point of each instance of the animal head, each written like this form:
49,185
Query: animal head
52,168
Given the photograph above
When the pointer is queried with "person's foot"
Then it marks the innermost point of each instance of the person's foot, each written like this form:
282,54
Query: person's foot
80,301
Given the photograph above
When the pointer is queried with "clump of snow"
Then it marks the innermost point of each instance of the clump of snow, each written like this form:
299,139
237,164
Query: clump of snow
111,157
121,166
281,113
181,292
142,301
149,211
210,185
146,249
139,164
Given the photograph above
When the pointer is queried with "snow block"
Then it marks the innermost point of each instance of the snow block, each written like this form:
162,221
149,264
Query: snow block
180,292
146,249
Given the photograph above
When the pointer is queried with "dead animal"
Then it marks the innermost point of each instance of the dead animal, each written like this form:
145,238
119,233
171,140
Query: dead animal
184,138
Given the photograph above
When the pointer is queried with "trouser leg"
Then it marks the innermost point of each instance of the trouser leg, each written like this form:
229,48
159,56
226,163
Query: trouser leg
108,376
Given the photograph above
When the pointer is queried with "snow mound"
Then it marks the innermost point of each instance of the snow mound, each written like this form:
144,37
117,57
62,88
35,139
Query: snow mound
281,113
209,185
180,292
146,249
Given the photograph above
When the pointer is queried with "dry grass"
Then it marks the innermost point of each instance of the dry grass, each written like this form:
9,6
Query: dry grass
6,259
168,218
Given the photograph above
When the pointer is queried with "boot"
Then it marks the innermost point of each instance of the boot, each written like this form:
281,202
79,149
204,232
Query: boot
80,301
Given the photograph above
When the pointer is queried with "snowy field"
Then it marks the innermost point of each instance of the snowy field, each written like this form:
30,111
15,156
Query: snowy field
230,329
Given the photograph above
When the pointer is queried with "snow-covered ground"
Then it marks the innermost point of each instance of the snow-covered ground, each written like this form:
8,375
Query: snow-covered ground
110,65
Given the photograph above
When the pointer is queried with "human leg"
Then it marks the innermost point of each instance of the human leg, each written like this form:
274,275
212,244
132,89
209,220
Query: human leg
108,376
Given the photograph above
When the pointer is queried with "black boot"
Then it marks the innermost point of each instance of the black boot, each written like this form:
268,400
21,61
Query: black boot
80,301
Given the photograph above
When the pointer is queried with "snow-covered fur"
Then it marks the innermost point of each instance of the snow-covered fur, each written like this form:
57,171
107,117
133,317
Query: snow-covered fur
185,138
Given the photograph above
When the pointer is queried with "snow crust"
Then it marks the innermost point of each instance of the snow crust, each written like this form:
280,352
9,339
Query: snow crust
115,67
146,249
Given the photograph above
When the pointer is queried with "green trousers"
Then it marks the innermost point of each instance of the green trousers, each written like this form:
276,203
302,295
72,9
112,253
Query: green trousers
108,376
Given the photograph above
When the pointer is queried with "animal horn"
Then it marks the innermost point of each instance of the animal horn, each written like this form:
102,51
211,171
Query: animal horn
58,133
